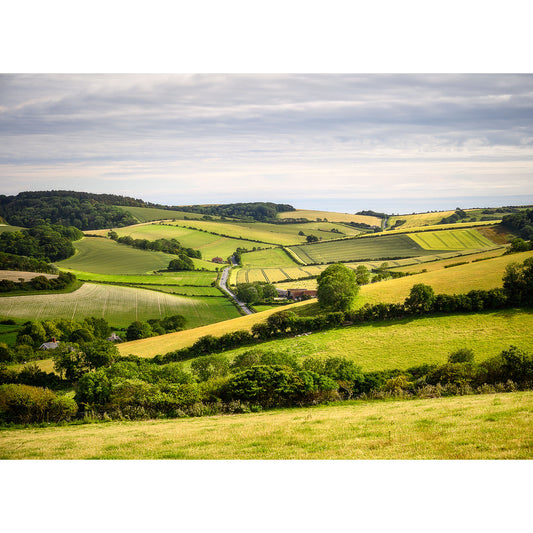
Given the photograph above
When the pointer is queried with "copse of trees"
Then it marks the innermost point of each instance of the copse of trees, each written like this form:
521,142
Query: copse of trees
39,283
520,223
43,242
256,292
155,326
25,264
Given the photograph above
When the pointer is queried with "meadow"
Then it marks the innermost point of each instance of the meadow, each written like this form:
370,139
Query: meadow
118,305
209,245
489,426
8,228
331,216
272,257
457,239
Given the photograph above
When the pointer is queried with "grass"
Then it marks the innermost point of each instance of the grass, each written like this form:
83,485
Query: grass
272,257
331,216
118,305
451,240
393,246
6,228
210,245
104,256
161,278
419,219
411,342
491,426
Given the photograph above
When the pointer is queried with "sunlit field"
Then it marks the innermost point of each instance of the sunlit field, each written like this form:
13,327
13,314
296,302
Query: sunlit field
331,216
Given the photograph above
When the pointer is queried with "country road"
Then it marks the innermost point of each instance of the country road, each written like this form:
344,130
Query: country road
224,287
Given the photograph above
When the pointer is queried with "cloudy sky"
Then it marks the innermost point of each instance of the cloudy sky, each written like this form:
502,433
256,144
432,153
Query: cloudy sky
399,143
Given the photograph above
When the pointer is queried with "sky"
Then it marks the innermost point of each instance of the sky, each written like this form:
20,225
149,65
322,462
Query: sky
399,143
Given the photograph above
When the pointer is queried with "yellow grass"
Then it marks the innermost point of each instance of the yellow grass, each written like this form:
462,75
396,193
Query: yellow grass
404,228
181,339
331,216
491,426
483,275
16,275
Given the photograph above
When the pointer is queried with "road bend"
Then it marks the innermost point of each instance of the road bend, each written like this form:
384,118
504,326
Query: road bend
223,285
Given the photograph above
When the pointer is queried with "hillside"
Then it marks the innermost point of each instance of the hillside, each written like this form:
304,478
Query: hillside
490,426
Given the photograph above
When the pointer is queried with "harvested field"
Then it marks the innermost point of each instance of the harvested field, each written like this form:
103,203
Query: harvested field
17,275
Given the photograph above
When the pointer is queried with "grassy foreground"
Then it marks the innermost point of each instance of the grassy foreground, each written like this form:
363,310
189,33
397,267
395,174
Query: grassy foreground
492,426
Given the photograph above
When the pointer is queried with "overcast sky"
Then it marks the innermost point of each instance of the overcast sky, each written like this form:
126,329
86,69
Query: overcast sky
398,143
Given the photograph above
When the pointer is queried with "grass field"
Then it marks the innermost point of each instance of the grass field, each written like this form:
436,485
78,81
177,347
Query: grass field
272,257
104,256
491,426
17,275
7,228
458,239
410,342
331,216
210,245
483,275
118,305
393,246
192,277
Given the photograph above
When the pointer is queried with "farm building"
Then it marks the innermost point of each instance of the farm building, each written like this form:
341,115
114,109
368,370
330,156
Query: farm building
217,260
114,338
299,294
51,345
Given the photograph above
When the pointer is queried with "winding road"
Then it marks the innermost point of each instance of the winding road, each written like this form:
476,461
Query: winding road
224,287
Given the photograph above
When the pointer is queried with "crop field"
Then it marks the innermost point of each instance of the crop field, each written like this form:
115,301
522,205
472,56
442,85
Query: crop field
331,216
419,219
210,245
457,239
482,275
184,290
350,250
488,426
162,278
118,305
147,214
274,275
410,342
272,257
17,275
280,234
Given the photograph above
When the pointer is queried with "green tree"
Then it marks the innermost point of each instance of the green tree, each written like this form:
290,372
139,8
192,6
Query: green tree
420,299
463,355
138,330
311,238
337,287
362,275
210,366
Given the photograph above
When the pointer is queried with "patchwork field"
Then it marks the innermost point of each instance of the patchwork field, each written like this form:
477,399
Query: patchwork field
210,245
419,219
349,250
280,234
490,426
118,305
272,257
458,239
331,216
17,275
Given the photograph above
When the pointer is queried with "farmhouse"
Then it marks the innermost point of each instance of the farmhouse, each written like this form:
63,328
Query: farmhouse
217,260
301,294
51,345
114,338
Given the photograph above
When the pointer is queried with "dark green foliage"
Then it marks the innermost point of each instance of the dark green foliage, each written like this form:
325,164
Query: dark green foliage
210,366
463,355
311,238
42,242
337,287
25,404
181,263
456,217
68,208
420,299
138,330
261,211
25,264
520,223
39,283
519,245
256,292
168,246
518,283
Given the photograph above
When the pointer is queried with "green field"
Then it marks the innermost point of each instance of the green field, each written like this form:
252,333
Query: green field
280,234
193,277
6,228
489,426
410,342
458,239
272,257
393,246
184,290
118,305
210,245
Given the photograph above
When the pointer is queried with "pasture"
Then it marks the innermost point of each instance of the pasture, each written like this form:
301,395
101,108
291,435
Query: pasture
210,245
6,228
489,426
330,216
104,256
272,257
118,305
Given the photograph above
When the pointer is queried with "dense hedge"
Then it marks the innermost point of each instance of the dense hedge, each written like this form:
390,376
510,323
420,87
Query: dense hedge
39,283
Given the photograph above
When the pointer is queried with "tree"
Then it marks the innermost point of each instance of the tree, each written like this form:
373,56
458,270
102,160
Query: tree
138,330
311,238
337,287
518,283
463,355
362,275
420,299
